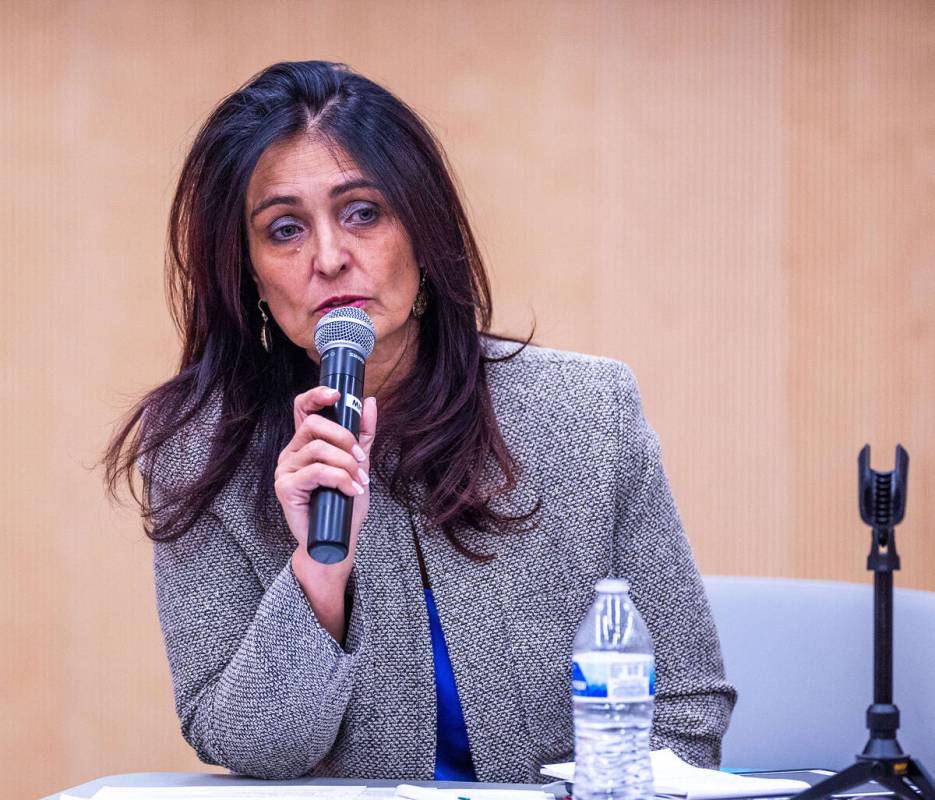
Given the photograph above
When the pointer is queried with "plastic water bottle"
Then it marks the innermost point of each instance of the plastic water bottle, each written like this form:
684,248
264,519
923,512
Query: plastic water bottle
613,684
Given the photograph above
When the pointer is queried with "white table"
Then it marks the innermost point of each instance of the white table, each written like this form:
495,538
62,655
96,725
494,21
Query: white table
376,789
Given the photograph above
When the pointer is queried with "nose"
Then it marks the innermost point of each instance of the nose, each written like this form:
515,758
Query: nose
332,254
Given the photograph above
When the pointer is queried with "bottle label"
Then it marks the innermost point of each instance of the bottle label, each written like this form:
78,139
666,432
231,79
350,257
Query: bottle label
608,677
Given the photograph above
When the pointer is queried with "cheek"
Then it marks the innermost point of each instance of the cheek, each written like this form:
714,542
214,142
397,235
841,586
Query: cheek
289,306
403,288
404,280
288,298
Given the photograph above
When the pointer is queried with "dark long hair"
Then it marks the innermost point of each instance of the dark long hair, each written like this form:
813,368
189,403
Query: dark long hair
442,429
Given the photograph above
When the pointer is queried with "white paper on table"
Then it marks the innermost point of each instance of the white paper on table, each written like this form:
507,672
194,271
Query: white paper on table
406,792
676,778
229,793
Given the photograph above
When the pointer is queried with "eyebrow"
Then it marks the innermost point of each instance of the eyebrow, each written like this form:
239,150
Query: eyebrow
293,200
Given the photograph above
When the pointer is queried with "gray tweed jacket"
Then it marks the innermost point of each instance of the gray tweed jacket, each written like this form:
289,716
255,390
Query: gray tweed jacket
262,689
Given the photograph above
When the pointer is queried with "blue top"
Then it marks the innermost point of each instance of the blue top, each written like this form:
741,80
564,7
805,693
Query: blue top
452,751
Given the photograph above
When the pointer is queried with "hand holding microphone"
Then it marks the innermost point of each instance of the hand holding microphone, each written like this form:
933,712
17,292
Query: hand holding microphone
322,475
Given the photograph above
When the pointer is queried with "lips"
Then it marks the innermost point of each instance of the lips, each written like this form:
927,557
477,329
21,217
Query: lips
355,300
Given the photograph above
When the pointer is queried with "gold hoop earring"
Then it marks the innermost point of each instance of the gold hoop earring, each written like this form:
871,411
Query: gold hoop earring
266,338
422,300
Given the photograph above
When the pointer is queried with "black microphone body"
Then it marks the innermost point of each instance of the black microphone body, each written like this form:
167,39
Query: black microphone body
344,338
329,521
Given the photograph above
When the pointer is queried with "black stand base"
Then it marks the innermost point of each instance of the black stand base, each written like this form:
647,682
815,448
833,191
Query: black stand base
906,778
882,506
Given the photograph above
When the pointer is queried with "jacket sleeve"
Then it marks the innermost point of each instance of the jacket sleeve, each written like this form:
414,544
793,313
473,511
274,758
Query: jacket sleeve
260,687
693,698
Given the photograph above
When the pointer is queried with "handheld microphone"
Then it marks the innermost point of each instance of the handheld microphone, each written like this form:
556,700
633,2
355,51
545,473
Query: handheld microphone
344,339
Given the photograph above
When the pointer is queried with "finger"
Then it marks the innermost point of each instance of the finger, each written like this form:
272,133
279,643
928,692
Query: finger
368,425
320,451
313,401
295,487
316,426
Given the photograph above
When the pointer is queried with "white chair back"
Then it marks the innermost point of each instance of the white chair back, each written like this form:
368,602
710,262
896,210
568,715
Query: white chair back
801,656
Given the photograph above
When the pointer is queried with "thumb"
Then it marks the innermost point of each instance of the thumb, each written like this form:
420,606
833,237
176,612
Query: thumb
368,425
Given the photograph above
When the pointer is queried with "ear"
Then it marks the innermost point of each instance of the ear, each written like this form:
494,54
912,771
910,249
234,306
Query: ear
248,264
260,290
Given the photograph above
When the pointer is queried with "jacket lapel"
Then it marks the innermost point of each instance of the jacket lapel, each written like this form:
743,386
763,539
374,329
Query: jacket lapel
468,597
400,716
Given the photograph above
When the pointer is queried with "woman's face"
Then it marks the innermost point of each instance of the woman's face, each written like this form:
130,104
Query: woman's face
321,236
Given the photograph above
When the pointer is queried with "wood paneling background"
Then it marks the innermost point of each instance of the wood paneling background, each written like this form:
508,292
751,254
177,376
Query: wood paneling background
737,198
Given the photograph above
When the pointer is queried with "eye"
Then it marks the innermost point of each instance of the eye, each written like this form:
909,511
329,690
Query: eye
362,213
285,232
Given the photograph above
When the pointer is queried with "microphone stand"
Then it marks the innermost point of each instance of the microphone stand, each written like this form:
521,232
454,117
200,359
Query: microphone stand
882,506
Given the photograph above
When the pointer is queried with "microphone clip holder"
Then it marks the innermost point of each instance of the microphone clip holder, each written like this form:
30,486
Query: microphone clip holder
882,506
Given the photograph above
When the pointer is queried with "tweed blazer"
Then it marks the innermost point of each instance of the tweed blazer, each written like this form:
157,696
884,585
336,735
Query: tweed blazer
262,689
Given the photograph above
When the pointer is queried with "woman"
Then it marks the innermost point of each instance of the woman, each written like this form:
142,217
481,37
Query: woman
494,483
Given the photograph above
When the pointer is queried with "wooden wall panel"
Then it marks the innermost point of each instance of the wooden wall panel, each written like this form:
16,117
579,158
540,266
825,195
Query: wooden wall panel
689,282
733,197
859,256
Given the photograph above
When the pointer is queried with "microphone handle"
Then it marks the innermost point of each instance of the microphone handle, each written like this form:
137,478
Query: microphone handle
330,510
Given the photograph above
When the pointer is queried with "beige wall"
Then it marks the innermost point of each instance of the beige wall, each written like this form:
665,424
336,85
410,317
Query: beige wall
734,197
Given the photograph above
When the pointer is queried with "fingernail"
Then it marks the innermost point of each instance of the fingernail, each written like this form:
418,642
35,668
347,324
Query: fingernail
358,452
357,487
364,477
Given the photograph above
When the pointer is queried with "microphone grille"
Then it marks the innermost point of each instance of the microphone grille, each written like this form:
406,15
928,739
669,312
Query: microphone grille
348,326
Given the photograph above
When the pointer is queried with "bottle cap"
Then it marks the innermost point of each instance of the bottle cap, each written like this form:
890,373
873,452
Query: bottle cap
612,586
